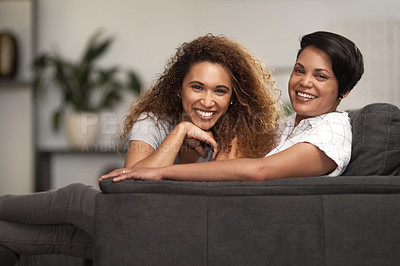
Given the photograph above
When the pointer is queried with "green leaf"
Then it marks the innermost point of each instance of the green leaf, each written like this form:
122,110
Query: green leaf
57,119
111,98
39,66
95,48
40,62
134,83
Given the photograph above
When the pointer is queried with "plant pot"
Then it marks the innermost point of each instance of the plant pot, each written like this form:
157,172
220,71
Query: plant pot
82,129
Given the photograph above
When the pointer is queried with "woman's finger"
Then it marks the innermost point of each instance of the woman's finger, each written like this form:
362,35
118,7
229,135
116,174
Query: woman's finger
110,174
114,173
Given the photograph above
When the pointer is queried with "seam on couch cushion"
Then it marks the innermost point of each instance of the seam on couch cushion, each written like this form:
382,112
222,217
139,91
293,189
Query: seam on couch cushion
387,139
363,139
207,222
354,118
323,230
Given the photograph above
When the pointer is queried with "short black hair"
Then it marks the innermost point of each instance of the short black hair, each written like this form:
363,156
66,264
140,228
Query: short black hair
347,60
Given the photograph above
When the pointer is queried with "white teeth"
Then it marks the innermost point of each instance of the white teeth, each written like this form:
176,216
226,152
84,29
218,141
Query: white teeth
205,114
305,95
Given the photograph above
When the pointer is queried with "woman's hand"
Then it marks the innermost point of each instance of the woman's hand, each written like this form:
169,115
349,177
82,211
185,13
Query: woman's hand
133,173
195,136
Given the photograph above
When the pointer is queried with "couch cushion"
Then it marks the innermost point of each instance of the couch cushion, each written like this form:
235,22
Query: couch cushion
376,140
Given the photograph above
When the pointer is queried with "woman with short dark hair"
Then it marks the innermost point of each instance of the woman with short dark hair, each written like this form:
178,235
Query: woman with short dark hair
347,60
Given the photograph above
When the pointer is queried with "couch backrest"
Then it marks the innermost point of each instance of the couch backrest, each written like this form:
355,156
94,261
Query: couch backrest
376,140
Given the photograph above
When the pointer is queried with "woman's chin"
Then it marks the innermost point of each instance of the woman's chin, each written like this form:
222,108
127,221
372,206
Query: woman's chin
205,125
206,128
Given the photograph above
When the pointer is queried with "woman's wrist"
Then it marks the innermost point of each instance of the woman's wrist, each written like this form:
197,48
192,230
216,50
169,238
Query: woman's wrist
161,172
184,124
182,128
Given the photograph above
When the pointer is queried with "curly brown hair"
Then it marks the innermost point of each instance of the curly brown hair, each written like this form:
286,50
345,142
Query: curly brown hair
252,117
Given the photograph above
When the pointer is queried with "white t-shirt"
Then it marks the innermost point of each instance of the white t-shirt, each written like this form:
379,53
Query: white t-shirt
330,132
147,129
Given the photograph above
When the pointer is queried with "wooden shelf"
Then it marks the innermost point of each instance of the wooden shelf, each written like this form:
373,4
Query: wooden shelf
10,83
44,163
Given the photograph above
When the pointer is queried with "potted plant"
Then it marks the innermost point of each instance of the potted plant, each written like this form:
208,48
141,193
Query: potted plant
86,88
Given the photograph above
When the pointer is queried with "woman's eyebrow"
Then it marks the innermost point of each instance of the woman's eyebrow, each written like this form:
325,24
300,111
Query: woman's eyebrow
201,83
321,69
223,86
197,82
317,69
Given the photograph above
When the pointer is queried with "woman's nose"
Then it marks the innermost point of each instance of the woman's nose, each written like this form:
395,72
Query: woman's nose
207,100
306,81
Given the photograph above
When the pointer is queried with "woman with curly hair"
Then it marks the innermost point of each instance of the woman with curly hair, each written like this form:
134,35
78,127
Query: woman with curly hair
212,93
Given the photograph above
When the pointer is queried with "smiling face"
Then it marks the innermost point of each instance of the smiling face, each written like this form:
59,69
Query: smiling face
206,93
313,87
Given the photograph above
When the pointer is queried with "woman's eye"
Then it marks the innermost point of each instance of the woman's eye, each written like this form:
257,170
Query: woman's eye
221,91
196,87
299,70
321,76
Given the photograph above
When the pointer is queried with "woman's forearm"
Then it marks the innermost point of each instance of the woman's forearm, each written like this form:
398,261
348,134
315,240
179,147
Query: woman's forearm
237,169
166,153
301,160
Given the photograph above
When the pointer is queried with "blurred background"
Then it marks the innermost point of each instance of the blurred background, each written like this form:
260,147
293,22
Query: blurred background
146,33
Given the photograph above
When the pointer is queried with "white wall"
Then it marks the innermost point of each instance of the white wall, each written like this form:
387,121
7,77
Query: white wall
16,139
16,105
147,32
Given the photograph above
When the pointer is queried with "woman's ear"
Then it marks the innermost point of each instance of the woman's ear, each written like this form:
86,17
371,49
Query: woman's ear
341,97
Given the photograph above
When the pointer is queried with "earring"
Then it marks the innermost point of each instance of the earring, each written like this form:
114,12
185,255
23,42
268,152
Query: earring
231,103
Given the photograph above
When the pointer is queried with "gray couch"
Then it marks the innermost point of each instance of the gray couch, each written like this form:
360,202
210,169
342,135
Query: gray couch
350,220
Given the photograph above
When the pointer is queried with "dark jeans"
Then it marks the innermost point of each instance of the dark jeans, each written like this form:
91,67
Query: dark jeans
52,222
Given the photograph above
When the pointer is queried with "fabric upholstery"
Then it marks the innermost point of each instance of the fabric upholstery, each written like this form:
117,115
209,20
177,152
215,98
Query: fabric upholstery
376,145
150,229
362,229
7,257
343,221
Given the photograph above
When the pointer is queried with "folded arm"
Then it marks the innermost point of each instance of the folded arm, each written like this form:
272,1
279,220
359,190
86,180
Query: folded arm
141,154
